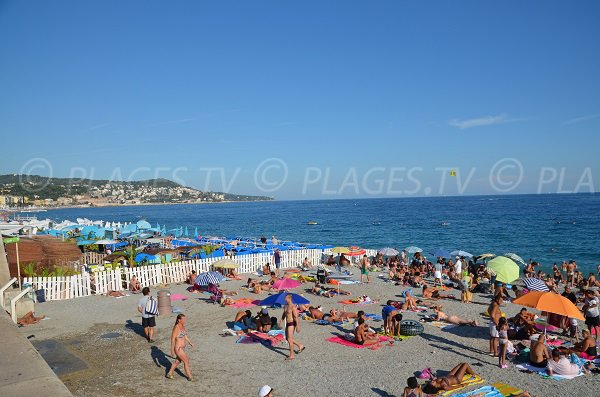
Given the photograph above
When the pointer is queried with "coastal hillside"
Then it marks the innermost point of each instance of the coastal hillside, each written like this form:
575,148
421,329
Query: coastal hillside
26,190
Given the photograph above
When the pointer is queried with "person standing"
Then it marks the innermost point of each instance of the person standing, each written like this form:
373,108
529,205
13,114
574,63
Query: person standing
592,313
437,274
292,324
179,340
495,315
364,269
277,260
458,267
148,320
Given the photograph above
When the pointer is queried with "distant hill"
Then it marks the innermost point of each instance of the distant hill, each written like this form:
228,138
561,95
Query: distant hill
35,187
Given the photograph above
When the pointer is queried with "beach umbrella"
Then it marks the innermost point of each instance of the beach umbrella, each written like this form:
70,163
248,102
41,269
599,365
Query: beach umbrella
535,284
209,278
158,225
226,263
355,251
340,250
551,303
441,253
106,242
196,232
279,299
461,253
505,268
516,258
186,233
286,283
485,256
388,251
413,250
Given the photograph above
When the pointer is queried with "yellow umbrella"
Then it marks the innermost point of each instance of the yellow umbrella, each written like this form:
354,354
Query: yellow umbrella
340,250
225,264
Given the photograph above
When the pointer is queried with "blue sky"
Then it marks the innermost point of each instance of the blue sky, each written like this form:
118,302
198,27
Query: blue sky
305,99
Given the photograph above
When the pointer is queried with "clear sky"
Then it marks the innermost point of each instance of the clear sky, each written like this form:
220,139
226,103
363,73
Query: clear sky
305,99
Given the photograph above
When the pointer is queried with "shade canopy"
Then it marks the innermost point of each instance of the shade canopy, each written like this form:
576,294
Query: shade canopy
551,303
505,268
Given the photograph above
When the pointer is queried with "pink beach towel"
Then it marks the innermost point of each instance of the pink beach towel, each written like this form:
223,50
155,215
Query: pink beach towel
178,297
244,305
557,342
342,341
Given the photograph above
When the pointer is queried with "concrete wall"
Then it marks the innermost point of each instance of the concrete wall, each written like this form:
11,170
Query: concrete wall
4,272
23,372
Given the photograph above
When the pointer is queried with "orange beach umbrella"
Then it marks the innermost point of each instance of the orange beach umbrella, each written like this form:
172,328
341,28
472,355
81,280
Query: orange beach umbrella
551,303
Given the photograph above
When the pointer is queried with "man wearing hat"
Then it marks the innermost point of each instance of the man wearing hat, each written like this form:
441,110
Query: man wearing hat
265,391
458,267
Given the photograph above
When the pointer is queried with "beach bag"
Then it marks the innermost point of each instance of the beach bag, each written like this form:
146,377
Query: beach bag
152,307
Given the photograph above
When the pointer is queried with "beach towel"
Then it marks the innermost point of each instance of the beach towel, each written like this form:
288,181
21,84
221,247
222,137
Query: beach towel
442,325
350,302
276,332
341,341
374,317
485,391
245,339
266,339
325,322
244,303
401,337
348,282
542,372
467,380
506,390
557,342
178,297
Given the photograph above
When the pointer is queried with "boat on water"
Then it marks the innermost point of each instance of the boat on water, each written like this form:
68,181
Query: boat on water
445,223
376,223
312,223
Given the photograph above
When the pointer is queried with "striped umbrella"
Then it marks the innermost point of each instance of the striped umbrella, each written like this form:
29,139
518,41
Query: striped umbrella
535,284
516,258
355,251
204,279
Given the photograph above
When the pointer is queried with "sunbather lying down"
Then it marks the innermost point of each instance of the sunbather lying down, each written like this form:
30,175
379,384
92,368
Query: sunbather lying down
328,292
449,382
333,316
432,293
441,316
29,318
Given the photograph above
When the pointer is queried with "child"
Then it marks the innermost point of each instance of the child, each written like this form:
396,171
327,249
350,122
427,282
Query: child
502,341
413,389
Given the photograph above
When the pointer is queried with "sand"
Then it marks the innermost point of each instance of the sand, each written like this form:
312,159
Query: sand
124,364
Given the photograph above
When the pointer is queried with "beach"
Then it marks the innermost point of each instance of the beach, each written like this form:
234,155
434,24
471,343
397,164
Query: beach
123,363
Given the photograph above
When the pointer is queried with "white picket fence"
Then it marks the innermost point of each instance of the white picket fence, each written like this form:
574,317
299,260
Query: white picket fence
101,282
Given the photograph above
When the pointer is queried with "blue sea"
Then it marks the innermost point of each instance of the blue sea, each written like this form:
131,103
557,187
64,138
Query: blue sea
546,228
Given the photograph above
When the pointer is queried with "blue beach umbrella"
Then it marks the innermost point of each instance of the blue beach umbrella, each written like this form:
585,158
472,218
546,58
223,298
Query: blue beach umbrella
535,284
209,278
279,299
461,253
441,253
412,249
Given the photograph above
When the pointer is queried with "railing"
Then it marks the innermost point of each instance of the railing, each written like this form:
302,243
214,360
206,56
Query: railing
101,282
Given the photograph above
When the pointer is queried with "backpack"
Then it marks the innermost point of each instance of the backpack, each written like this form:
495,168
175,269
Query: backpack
152,307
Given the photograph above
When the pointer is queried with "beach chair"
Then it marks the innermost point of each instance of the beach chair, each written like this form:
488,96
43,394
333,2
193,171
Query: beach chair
216,294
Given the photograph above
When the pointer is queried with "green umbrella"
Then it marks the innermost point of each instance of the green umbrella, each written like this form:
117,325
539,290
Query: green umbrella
505,268
518,260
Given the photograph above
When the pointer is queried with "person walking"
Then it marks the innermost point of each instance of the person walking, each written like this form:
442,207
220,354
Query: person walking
148,319
179,339
292,324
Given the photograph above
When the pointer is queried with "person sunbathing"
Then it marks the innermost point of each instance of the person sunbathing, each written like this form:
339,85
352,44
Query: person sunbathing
327,292
362,336
255,286
432,293
134,285
449,382
409,301
441,316
243,320
538,354
263,321
586,349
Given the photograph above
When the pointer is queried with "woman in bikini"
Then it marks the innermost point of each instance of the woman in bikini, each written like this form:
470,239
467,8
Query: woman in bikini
179,339
451,381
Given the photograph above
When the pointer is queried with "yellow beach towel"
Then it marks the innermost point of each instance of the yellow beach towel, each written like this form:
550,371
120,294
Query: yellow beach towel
507,390
468,380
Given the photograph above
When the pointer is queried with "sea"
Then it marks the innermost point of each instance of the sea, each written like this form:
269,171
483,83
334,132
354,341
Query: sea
547,228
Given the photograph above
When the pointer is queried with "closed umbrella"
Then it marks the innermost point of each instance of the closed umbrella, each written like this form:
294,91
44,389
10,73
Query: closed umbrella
535,284
388,251
506,269
286,283
551,303
279,299
204,279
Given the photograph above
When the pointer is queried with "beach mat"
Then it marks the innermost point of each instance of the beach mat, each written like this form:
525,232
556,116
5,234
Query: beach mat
543,374
401,337
506,390
349,302
467,380
485,391
341,341
178,297
442,325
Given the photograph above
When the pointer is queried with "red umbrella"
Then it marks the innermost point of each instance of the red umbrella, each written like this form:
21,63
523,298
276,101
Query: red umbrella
286,283
355,251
